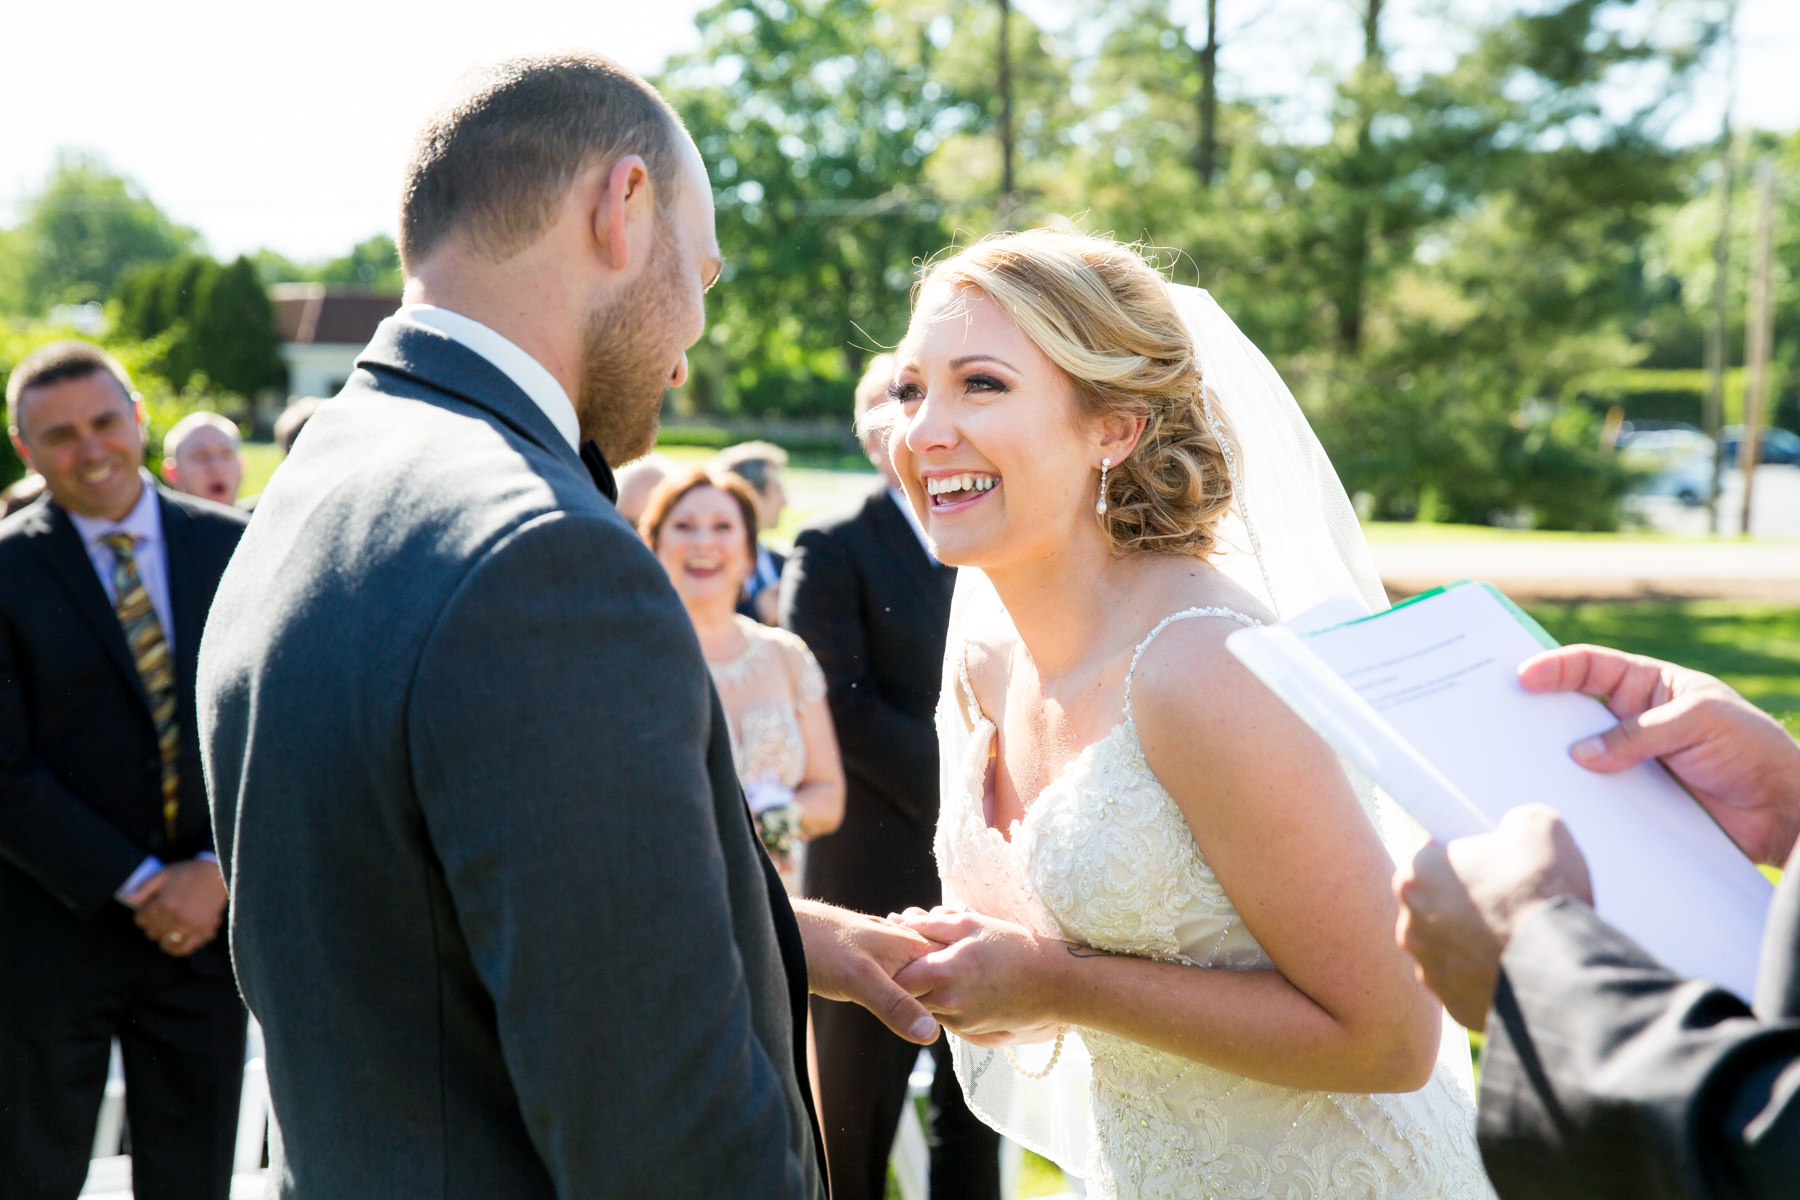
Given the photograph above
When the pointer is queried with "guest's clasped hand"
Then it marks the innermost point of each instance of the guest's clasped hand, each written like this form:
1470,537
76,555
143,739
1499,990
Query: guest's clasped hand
1460,903
181,907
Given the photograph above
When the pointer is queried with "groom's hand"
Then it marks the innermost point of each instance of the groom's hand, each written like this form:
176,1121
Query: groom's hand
854,957
991,981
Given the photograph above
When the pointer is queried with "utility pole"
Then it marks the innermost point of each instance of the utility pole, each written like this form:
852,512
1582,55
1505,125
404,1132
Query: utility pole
1206,154
1005,210
1760,332
1713,411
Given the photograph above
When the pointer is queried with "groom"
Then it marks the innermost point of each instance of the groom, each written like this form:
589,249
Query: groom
496,899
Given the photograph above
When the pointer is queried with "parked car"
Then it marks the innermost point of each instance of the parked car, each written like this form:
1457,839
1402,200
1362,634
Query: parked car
1778,445
1654,450
1689,481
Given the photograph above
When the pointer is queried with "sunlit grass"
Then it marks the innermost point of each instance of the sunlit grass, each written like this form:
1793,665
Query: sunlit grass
260,461
1754,647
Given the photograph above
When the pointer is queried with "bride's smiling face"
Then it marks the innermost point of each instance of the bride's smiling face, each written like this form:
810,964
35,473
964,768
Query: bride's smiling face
991,445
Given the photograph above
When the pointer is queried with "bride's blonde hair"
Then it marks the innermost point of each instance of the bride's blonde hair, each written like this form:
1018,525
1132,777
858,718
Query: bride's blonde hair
1104,316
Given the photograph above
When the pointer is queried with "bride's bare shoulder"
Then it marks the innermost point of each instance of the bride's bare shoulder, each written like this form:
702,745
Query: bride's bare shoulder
987,659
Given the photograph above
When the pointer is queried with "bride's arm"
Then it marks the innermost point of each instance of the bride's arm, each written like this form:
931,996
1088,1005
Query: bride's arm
1287,838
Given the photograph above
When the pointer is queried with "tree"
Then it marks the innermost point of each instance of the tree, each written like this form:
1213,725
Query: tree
85,229
233,330
815,118
373,265
215,321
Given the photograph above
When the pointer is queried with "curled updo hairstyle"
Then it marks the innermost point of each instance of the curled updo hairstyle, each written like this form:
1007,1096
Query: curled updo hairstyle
1105,317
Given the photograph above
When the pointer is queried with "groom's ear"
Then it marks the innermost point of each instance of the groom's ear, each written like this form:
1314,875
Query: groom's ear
623,211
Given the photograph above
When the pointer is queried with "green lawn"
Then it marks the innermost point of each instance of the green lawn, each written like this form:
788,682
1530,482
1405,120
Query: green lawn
1753,647
1427,531
260,461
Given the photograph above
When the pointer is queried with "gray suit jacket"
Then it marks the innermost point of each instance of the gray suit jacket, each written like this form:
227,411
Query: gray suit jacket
1607,1077
494,896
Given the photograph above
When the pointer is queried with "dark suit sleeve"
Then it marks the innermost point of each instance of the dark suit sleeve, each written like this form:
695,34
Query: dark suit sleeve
822,601
580,839
1607,1076
79,856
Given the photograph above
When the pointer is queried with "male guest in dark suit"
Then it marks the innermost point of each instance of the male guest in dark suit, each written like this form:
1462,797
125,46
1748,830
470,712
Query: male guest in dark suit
1606,1076
496,897
110,895
872,604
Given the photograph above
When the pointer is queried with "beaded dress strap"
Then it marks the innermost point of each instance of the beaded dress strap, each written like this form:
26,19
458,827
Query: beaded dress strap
973,706
1184,614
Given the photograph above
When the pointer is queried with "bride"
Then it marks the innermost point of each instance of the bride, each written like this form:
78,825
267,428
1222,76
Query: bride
1169,931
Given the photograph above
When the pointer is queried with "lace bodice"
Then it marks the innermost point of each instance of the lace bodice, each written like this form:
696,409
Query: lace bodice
765,688
1104,857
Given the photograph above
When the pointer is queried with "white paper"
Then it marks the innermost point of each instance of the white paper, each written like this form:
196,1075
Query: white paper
1425,698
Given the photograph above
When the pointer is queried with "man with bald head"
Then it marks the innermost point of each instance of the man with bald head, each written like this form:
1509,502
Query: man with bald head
111,901
496,896
203,455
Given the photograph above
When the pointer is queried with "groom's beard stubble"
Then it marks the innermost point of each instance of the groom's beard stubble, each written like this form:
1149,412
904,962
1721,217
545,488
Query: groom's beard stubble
624,368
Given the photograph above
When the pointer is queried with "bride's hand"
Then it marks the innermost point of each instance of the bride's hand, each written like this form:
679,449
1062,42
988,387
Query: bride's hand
993,983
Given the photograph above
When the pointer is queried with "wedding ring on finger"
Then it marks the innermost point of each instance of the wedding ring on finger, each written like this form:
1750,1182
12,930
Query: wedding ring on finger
176,937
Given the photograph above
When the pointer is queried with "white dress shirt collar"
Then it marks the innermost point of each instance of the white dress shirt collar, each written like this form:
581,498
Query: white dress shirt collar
527,372
144,521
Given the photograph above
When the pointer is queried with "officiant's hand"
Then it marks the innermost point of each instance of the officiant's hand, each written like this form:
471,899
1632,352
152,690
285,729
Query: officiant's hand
1734,758
854,957
992,980
1460,903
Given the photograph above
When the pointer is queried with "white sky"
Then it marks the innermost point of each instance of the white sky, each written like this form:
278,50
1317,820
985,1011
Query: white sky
286,128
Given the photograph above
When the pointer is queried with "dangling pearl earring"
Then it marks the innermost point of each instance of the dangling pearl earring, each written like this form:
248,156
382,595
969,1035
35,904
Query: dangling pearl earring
1100,505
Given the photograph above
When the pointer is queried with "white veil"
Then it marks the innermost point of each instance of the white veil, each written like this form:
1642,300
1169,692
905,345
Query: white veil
1292,539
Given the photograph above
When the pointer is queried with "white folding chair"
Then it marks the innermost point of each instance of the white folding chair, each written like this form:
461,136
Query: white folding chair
910,1158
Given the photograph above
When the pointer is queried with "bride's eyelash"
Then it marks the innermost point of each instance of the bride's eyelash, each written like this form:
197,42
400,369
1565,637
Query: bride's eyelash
902,391
986,381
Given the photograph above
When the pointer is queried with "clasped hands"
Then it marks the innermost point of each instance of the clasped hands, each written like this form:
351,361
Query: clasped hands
181,907
985,979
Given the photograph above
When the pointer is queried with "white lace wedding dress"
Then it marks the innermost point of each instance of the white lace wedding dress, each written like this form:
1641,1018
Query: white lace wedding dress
1104,857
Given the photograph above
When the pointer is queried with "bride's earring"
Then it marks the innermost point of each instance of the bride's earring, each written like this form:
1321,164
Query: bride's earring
1100,505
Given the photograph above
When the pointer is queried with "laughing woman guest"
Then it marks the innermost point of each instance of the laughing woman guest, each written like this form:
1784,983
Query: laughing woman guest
703,530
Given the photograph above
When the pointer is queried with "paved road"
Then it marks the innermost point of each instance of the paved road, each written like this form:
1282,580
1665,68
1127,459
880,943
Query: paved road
1774,506
1532,567
1536,569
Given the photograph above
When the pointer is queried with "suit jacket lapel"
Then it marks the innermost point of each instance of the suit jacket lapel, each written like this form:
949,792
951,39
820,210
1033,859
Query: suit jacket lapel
184,599
931,581
60,544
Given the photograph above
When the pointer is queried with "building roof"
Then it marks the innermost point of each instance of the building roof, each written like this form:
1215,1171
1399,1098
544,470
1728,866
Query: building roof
311,313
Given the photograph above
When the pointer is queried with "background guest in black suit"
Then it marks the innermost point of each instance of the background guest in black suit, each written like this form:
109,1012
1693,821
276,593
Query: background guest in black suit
110,897
872,604
760,465
1606,1076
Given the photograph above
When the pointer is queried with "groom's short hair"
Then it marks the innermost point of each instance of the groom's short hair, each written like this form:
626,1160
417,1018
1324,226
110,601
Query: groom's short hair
497,158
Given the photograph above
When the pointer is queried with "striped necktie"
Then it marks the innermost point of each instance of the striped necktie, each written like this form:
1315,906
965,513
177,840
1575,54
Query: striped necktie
150,651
